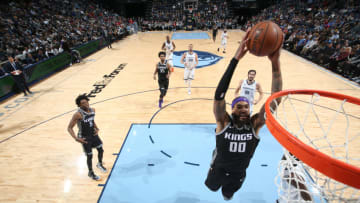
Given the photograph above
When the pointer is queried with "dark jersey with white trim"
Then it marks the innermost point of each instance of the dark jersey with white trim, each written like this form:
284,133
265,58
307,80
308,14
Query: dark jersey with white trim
86,124
162,70
235,147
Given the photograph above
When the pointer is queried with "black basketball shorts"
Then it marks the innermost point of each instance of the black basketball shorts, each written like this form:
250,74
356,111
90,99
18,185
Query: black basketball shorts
163,83
230,181
92,142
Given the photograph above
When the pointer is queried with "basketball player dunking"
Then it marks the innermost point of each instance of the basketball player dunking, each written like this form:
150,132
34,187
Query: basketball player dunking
237,135
224,37
190,61
88,133
163,71
169,47
248,88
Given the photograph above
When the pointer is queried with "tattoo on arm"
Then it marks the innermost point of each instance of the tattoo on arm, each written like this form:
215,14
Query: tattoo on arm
276,86
219,110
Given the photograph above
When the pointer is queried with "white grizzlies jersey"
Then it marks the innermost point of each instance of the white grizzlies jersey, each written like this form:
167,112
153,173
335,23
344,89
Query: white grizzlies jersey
248,91
224,38
289,192
168,48
190,60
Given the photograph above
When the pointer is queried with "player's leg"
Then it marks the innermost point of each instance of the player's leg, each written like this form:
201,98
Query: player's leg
232,183
190,78
170,62
214,179
187,79
89,155
224,46
162,92
99,146
166,86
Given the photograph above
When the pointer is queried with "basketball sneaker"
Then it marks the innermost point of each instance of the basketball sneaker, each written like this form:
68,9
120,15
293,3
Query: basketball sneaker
93,176
189,92
160,103
101,167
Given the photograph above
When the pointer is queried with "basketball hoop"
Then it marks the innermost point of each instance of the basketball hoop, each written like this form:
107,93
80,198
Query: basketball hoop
320,139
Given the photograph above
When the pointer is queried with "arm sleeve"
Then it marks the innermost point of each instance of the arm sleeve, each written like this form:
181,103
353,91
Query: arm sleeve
225,80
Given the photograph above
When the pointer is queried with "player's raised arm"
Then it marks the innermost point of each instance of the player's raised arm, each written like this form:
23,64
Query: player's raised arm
219,103
276,86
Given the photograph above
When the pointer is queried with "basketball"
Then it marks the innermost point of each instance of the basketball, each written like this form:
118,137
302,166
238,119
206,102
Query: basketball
264,38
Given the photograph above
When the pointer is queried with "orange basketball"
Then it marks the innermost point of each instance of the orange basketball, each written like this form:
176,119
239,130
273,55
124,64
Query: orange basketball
264,38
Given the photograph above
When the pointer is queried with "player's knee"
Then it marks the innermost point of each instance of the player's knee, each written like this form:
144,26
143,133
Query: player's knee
100,150
89,155
212,187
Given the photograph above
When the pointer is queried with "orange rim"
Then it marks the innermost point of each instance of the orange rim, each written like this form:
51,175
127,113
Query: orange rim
333,168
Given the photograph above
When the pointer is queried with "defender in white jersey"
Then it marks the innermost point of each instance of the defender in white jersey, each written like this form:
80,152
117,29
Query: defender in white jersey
224,37
190,61
293,182
169,47
248,88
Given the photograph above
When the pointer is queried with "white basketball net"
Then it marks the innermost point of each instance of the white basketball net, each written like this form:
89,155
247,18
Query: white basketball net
327,125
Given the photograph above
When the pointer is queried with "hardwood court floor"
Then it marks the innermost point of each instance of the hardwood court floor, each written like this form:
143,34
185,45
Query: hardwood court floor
39,160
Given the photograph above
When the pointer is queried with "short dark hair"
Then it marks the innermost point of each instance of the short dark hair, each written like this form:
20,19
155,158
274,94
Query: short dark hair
162,53
81,97
252,70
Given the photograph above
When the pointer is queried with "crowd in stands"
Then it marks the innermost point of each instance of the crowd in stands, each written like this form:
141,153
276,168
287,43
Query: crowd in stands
171,15
325,32
32,31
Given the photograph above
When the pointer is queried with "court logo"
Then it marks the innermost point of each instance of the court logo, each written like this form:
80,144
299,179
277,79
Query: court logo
17,103
205,59
99,85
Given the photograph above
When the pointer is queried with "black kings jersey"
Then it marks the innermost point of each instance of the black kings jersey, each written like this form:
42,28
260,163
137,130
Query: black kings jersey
162,70
86,124
235,147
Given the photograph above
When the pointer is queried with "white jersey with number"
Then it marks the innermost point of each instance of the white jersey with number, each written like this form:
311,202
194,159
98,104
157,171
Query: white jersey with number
224,38
168,48
248,91
190,60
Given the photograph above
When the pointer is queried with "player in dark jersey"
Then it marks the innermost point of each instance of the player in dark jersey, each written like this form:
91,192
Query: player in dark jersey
162,69
237,134
88,133
214,32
